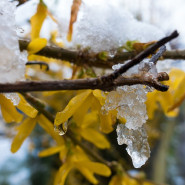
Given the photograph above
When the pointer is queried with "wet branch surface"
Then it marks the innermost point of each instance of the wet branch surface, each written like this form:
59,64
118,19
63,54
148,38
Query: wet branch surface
106,83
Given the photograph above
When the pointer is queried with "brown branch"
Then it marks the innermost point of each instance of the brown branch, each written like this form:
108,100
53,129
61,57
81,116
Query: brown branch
174,54
22,2
90,83
138,58
39,63
93,59
105,83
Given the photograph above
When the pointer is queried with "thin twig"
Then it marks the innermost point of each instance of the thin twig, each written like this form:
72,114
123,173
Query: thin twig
137,59
40,64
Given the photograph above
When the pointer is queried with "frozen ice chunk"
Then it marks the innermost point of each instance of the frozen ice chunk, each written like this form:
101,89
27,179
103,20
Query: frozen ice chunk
145,67
105,25
129,101
148,68
137,144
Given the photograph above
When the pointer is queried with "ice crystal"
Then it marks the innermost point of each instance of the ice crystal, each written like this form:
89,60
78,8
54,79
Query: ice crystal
129,101
137,144
12,62
143,68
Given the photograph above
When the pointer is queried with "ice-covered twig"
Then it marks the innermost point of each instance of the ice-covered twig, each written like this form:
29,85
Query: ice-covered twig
137,59
145,80
156,57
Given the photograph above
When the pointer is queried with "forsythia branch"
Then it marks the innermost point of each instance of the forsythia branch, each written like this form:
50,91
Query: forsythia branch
89,83
93,59
105,83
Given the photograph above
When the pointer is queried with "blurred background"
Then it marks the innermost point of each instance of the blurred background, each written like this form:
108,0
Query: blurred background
167,139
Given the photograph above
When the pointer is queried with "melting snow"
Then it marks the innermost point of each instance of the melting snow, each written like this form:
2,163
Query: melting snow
137,144
105,25
129,101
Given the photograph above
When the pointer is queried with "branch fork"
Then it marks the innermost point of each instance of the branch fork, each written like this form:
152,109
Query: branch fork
106,82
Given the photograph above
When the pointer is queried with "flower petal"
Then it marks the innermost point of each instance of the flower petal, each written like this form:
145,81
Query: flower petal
106,123
95,167
50,151
24,130
36,45
95,137
88,174
48,127
73,105
37,20
9,111
25,107
62,173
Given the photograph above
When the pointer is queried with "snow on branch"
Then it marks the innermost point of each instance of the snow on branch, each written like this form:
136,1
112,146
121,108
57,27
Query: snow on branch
93,59
106,83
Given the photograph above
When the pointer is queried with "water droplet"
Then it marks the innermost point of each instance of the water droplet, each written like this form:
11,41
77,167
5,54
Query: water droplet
61,129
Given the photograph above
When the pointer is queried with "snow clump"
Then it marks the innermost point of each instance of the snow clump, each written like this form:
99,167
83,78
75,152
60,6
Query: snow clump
12,61
105,25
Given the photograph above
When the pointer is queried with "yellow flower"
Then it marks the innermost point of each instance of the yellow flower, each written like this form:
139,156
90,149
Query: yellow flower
27,126
125,179
10,112
75,158
78,160
37,20
81,104
87,129
117,180
169,98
